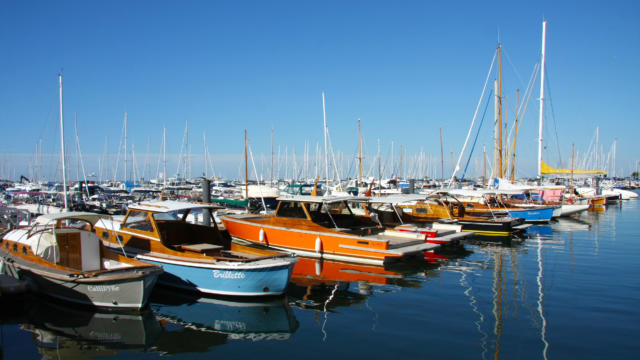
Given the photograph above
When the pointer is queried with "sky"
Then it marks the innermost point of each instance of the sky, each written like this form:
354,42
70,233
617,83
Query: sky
405,68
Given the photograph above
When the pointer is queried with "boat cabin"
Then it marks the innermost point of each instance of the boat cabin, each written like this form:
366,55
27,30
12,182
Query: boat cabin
176,225
331,212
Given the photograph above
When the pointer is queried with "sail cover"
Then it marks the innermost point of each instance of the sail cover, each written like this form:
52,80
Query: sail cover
548,170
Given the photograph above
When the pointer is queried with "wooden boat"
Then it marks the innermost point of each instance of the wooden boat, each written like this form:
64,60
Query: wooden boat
195,256
325,227
440,209
496,203
61,256
390,213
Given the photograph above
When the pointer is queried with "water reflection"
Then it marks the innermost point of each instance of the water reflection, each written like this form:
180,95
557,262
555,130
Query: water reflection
66,331
195,324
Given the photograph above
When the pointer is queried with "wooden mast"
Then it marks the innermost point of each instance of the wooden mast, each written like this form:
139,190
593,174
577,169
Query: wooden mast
572,153
515,136
500,172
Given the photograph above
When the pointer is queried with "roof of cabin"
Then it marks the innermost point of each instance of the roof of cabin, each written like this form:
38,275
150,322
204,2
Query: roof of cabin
168,206
317,199
86,216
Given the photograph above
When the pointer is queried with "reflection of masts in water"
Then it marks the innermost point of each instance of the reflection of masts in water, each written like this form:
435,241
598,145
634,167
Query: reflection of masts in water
474,306
497,302
543,325
326,314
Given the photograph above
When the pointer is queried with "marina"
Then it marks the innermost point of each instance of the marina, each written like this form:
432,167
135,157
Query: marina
348,180
568,288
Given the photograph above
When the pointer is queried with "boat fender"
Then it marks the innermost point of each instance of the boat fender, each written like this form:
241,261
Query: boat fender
318,245
261,236
318,267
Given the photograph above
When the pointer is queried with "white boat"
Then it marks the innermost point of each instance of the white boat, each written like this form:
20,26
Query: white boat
61,256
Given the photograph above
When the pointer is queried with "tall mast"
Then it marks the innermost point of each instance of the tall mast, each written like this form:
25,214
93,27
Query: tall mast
164,157
359,153
64,169
271,181
441,161
125,147
515,137
326,153
246,170
614,157
500,173
544,34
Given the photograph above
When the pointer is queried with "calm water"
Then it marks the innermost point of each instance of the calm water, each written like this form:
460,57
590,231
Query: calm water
571,290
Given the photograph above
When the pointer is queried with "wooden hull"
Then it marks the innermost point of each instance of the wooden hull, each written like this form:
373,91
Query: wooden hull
306,240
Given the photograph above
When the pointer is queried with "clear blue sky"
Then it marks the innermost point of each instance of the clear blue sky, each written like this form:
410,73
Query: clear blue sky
406,68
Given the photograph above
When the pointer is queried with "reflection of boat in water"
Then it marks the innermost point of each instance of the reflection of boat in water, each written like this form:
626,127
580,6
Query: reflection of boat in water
67,331
317,271
571,224
189,317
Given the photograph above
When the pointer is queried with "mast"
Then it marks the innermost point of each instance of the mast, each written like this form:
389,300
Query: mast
246,170
164,157
64,169
271,180
572,155
359,153
125,149
614,157
484,162
326,153
544,34
441,161
515,137
496,126
500,173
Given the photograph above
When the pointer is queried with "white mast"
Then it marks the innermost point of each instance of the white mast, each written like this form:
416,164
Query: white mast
125,148
326,154
64,169
164,157
544,33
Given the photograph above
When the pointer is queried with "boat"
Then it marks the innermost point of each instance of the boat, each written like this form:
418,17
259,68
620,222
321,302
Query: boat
443,211
324,227
196,256
61,256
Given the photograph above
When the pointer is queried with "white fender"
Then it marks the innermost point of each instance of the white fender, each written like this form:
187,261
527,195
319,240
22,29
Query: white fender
261,236
318,245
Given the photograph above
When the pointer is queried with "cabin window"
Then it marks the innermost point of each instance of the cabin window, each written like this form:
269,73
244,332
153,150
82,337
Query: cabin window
138,220
24,250
105,235
421,210
291,209
15,247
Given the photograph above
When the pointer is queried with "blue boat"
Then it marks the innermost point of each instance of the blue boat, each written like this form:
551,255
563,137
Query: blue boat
196,256
533,214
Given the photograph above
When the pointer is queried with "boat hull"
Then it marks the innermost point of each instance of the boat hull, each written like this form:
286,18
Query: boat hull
538,214
328,245
261,278
105,291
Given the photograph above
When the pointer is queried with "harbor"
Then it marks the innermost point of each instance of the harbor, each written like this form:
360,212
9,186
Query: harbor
569,287
337,180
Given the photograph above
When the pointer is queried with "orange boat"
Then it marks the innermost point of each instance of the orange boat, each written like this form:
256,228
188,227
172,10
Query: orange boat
325,227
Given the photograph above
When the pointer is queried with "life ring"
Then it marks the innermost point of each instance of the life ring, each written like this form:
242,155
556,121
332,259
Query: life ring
457,210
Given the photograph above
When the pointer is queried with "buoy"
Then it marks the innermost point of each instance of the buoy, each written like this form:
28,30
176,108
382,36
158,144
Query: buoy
261,236
318,245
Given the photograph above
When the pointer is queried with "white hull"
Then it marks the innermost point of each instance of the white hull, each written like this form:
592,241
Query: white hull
570,209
